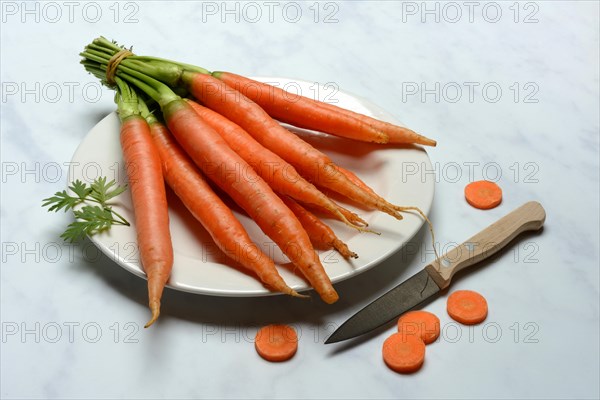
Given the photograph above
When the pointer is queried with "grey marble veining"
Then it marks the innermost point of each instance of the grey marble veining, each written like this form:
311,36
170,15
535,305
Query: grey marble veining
72,318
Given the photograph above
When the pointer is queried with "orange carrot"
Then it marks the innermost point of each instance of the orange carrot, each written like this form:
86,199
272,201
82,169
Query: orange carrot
149,200
423,324
281,176
196,194
308,161
320,234
404,353
232,174
483,194
276,342
467,307
304,112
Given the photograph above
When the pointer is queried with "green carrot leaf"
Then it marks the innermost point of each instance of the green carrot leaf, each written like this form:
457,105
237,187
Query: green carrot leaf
99,187
115,192
90,218
80,189
61,200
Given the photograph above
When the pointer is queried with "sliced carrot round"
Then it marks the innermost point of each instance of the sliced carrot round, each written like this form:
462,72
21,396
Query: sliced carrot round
483,194
420,323
276,342
467,307
404,353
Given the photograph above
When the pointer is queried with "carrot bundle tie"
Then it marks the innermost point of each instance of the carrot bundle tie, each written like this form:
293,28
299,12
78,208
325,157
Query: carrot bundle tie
113,63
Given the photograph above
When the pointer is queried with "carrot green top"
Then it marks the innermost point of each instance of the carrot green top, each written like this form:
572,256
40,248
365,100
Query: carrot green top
126,99
154,76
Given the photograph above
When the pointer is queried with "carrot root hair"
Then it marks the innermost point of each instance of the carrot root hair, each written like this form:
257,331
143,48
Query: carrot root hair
389,209
356,223
420,212
353,217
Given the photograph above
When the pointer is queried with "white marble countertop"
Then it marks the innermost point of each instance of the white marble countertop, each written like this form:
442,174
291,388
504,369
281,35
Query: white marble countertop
506,88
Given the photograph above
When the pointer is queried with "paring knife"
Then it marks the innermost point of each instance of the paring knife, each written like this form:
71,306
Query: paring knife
437,276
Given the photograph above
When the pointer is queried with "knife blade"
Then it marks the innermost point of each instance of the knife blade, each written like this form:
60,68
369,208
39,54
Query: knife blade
436,276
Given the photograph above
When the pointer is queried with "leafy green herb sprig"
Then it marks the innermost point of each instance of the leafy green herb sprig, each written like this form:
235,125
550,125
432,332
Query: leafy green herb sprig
90,218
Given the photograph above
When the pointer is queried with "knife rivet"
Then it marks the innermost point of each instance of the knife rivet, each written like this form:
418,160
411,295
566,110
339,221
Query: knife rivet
446,263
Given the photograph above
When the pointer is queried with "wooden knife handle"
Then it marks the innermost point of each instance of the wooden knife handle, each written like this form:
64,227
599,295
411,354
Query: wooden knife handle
529,217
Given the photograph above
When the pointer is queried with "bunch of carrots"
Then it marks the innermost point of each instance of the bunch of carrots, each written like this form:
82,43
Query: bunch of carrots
191,128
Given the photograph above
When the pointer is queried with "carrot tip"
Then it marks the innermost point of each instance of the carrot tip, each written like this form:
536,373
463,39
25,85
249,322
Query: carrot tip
354,221
343,249
427,142
395,213
390,209
422,140
330,298
155,308
359,220
365,230
357,227
279,285
293,293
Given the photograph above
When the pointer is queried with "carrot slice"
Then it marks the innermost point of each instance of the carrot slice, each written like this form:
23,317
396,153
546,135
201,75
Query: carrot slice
404,353
467,307
276,342
423,324
483,194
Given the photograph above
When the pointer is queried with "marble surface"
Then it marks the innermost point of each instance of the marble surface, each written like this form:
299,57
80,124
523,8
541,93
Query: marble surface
510,92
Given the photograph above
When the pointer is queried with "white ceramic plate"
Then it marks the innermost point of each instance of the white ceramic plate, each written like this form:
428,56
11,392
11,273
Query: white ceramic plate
200,267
